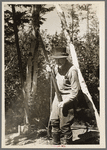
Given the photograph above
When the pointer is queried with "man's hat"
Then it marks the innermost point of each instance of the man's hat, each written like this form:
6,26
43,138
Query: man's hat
59,52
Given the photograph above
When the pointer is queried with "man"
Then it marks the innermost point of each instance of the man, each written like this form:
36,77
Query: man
62,113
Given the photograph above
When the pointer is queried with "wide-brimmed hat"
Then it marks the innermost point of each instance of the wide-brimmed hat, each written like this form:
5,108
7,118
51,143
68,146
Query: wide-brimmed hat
59,52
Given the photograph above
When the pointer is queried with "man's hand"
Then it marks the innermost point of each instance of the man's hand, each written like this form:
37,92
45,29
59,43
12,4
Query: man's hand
61,104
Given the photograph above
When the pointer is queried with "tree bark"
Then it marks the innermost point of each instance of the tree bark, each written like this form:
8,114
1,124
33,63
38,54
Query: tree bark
17,46
35,22
20,64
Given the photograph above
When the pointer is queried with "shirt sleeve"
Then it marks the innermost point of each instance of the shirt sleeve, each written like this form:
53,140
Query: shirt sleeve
75,86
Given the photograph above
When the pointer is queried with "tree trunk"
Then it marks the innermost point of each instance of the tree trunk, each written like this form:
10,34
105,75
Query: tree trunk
20,64
17,46
35,16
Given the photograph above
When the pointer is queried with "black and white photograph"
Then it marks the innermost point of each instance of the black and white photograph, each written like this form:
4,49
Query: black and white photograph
53,87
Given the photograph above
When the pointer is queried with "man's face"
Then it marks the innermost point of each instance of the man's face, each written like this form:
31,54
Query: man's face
60,62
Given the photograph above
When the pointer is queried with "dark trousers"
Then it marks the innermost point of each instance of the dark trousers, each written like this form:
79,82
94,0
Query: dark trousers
63,123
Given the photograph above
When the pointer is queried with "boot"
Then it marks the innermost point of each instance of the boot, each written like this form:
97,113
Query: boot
56,138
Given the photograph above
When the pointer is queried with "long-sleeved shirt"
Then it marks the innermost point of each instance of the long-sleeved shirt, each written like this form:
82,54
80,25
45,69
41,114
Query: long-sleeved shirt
69,84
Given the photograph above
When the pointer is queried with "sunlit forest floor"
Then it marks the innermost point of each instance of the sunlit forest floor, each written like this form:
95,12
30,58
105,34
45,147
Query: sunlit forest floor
81,135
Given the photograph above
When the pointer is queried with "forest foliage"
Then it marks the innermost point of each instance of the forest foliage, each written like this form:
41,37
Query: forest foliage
87,49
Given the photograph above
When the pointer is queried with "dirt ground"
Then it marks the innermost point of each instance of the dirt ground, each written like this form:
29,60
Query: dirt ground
81,135
83,127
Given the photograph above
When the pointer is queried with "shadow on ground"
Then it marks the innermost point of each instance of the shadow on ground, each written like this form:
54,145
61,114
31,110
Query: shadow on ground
91,137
